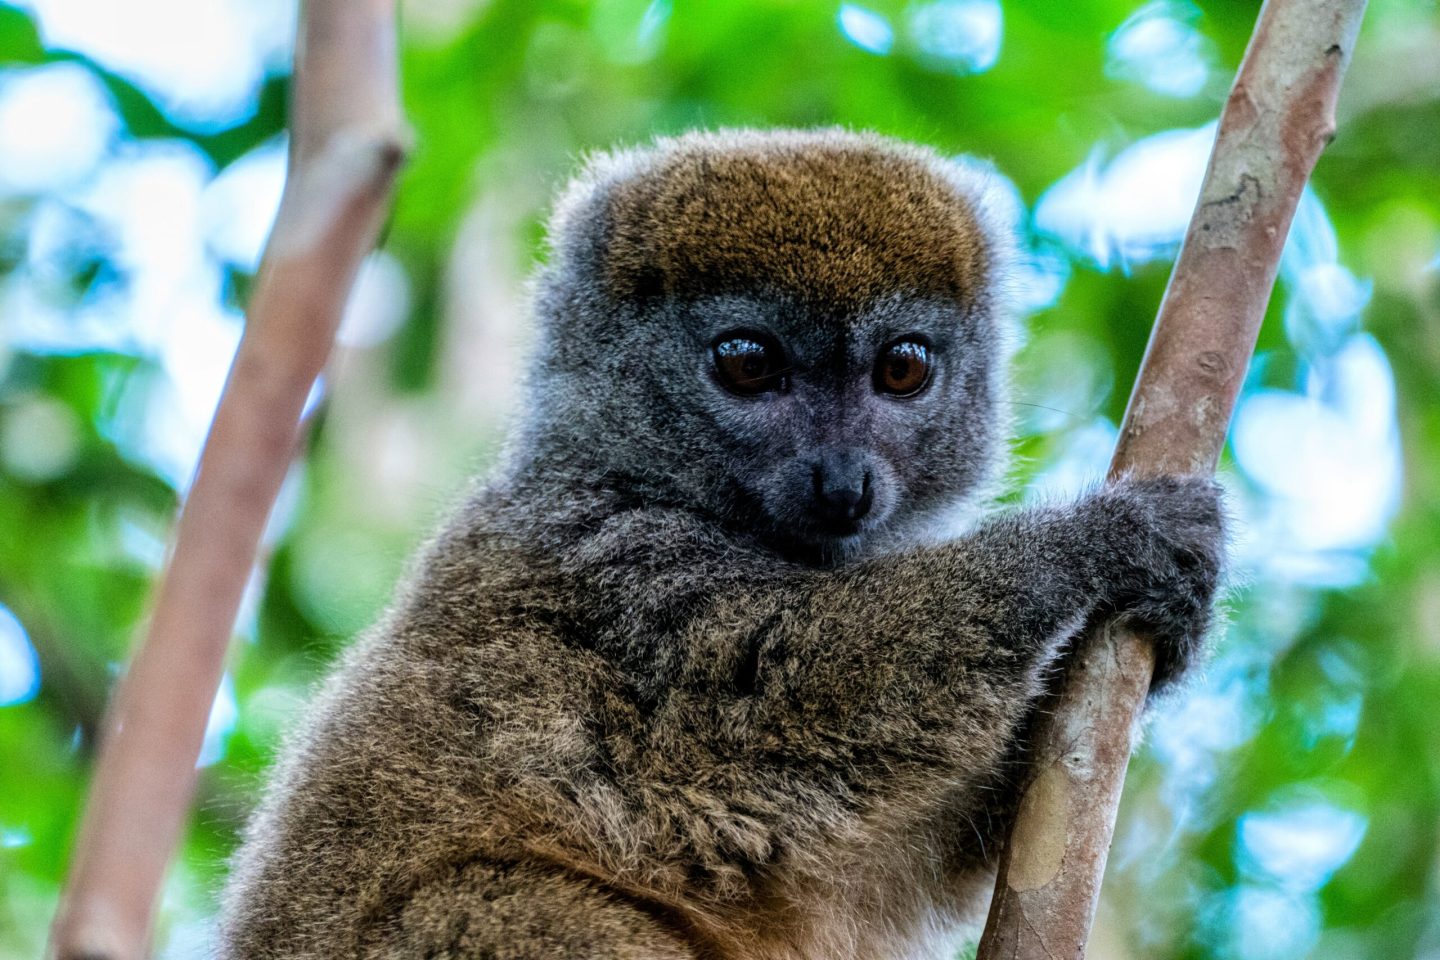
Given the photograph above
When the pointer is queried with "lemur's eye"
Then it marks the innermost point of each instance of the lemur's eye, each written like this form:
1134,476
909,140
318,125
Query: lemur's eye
750,363
903,368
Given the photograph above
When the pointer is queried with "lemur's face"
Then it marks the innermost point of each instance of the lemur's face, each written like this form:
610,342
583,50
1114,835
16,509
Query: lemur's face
793,332
831,428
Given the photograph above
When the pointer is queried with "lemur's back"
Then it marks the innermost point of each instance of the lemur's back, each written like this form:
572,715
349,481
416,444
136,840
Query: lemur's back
393,779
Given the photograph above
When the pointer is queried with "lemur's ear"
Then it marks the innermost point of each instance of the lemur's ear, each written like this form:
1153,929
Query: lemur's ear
582,222
999,214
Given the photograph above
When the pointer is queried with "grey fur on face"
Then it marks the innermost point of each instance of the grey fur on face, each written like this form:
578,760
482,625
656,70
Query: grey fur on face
642,382
696,673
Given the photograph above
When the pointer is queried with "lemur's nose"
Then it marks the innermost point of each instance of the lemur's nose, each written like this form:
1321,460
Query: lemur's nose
843,492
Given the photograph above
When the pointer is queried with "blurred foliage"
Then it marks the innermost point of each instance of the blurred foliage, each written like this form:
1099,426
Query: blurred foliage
1288,807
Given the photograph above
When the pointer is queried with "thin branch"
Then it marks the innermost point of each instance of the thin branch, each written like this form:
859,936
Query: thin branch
346,147
1279,117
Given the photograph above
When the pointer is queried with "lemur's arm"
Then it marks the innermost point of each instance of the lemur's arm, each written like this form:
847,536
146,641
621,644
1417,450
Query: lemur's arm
900,682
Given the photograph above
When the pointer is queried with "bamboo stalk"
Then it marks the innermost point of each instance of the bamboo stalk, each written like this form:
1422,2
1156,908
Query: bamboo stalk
1277,120
346,147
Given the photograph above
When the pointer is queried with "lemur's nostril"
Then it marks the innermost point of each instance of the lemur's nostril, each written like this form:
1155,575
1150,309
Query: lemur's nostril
842,495
862,506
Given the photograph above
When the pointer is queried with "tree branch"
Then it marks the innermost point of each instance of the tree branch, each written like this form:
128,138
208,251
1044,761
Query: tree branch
345,149
1279,117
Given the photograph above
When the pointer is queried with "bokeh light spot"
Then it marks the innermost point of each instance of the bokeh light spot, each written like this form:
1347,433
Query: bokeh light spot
378,304
1160,48
1135,208
1300,845
223,714
866,29
958,36
56,123
1330,460
39,438
238,207
19,665
202,60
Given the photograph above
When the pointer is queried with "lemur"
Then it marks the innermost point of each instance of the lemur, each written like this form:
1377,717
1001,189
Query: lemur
727,659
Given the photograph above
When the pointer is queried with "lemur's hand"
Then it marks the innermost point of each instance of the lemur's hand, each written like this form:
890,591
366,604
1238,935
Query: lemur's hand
1165,538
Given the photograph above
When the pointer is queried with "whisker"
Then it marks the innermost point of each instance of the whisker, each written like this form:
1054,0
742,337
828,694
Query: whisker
1040,406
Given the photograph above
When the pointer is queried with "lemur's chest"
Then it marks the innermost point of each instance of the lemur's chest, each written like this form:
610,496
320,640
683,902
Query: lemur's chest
900,902
923,934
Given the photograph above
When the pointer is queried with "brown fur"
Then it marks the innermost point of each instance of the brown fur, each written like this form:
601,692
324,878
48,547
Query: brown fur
629,706
836,222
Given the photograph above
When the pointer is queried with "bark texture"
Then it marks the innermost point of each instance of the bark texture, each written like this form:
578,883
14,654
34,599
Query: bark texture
1277,120
346,146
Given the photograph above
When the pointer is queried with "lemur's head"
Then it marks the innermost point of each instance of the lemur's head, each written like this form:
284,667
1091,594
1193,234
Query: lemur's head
797,332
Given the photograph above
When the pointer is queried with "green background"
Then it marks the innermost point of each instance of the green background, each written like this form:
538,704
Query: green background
1288,807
